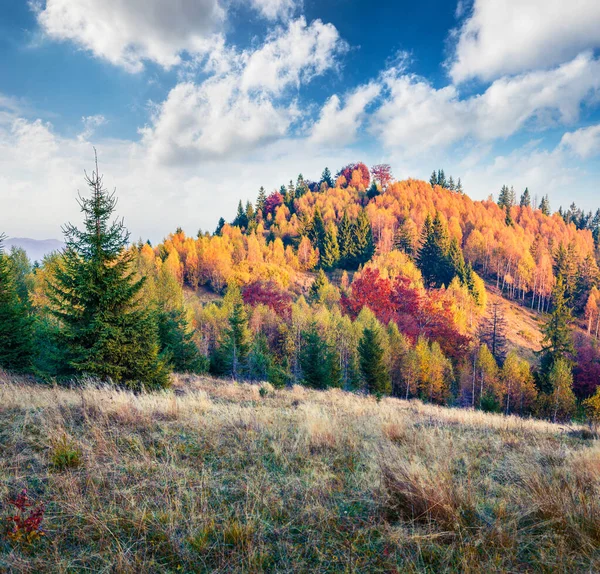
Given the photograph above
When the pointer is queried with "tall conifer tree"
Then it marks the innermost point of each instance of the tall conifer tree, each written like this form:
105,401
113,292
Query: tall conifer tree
15,321
372,363
105,329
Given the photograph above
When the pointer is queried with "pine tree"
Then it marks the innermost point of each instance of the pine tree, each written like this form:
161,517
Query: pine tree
326,178
508,217
316,231
459,187
441,179
218,230
557,342
456,262
432,258
525,199
105,329
15,322
177,342
451,185
345,240
237,338
504,199
331,251
318,286
317,360
362,240
404,240
261,200
241,220
372,364
545,205
562,399
433,180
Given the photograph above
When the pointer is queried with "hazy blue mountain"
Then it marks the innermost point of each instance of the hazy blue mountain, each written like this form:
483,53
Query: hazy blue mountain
36,248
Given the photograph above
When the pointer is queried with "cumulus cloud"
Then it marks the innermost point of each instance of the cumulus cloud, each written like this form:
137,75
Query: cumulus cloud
126,33
339,124
292,56
90,124
512,36
416,116
585,142
245,102
274,9
39,167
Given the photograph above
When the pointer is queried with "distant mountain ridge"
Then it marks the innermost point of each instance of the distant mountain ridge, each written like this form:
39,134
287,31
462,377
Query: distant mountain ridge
36,249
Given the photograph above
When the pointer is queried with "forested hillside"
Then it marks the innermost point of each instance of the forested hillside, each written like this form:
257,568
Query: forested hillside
356,281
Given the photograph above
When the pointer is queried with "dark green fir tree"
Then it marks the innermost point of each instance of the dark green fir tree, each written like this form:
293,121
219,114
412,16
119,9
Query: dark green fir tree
105,329
330,255
372,362
15,321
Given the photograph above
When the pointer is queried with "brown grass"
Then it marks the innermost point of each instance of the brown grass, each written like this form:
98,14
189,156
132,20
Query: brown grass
217,477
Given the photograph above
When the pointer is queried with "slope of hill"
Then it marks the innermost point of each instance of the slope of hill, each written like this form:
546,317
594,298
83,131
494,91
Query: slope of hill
36,249
227,477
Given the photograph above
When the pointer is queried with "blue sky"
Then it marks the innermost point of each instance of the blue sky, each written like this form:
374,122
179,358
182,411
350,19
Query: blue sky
193,104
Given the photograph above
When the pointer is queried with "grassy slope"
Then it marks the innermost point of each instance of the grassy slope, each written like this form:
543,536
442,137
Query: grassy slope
219,478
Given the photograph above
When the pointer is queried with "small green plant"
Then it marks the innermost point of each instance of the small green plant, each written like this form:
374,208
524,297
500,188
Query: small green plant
25,525
65,454
263,392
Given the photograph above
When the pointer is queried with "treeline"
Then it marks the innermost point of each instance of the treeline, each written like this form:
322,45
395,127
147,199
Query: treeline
356,281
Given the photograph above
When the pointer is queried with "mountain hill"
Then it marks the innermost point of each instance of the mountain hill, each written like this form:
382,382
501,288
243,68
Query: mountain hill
36,249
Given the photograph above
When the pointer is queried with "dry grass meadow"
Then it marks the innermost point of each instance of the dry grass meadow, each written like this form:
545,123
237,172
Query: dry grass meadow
222,477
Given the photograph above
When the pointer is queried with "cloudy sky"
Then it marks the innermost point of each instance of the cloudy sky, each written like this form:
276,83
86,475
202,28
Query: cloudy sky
194,104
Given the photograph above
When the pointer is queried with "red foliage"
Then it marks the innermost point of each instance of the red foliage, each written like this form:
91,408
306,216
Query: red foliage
365,178
372,291
272,203
586,373
25,525
415,313
382,173
270,295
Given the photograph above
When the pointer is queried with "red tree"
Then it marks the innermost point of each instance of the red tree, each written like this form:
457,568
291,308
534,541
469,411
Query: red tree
272,203
415,312
270,295
365,176
382,173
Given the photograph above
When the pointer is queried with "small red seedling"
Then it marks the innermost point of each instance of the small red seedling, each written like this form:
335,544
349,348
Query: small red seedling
26,523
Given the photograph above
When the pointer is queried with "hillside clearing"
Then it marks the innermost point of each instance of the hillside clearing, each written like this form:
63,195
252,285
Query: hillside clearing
224,477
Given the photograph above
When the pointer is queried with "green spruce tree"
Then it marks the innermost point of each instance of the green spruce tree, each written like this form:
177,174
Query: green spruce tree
237,338
345,240
557,342
331,251
15,321
545,205
319,363
316,231
362,246
105,329
525,198
372,362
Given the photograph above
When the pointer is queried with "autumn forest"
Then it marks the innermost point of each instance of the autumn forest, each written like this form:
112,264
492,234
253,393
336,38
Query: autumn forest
357,281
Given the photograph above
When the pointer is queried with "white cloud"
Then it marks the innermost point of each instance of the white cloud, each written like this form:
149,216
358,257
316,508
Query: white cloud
417,117
339,124
244,103
292,56
585,142
90,123
512,36
40,168
212,120
274,9
127,32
